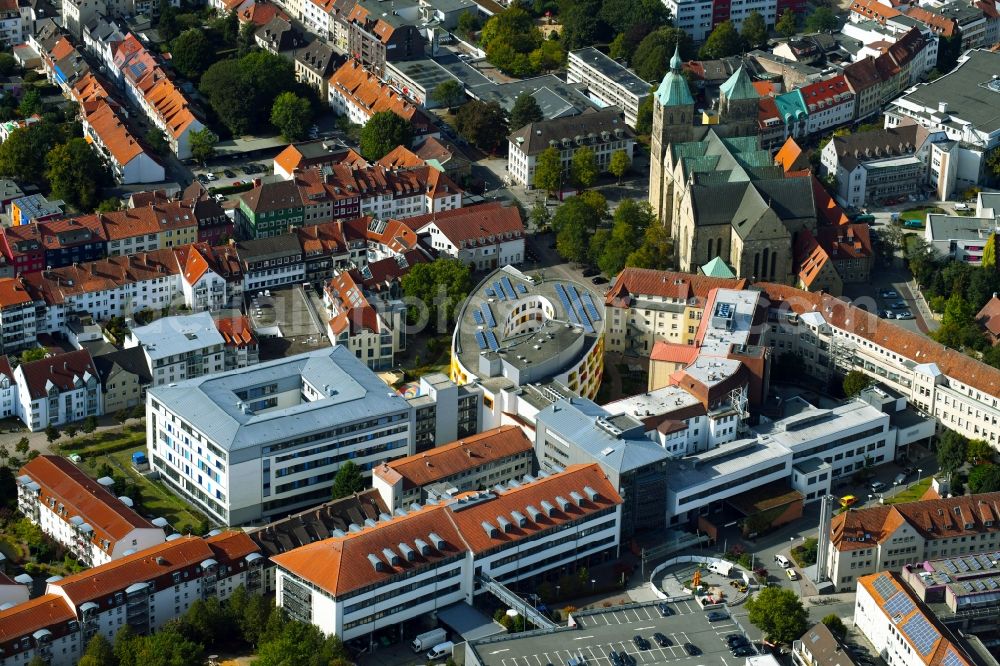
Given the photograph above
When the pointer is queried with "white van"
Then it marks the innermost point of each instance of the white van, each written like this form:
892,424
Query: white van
900,478
440,650
782,561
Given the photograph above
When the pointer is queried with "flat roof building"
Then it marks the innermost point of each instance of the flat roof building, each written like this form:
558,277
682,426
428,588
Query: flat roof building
609,83
180,347
233,444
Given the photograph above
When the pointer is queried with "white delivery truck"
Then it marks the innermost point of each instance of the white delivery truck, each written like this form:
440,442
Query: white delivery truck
429,639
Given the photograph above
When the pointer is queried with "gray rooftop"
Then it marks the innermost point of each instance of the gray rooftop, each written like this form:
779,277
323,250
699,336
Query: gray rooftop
614,441
425,73
612,69
956,227
348,390
970,91
584,128
180,334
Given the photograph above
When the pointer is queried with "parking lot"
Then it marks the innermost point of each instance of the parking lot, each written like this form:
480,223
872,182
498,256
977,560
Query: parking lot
598,634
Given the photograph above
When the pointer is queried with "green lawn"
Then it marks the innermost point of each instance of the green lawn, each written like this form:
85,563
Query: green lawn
919,213
911,494
156,499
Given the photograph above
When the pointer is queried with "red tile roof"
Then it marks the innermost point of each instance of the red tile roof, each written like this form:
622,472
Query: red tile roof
666,284
791,157
873,9
14,292
368,92
810,257
114,134
481,225
823,94
673,353
26,618
400,156
846,241
61,370
64,482
989,316
939,24
340,565
450,459
236,331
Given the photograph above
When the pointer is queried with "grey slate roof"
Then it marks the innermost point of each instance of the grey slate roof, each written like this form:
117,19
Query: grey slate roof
533,138
130,360
575,420
180,334
282,245
353,393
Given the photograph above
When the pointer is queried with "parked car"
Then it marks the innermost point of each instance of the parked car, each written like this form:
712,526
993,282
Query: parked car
615,658
590,271
665,610
600,279
736,640
202,178
228,173
717,616
692,649
792,574
877,486
905,314
889,314
898,305
744,651
211,176
662,640
640,642
888,293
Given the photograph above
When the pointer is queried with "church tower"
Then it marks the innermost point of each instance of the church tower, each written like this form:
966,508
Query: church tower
738,106
673,122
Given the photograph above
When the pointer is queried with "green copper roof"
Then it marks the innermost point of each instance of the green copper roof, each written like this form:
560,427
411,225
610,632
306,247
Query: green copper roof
673,90
717,268
791,106
739,86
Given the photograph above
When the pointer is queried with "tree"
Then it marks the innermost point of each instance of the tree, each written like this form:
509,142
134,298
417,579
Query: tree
383,132
628,227
754,31
549,170
583,167
31,103
993,162
8,64
514,44
157,141
483,124
291,115
449,93
109,205
21,153
619,164
70,429
89,424
33,354
984,479
526,110
652,55
347,481
779,613
855,382
540,215
468,24
246,41
990,252
167,25
22,446
836,626
99,652
51,434
822,19
788,24
951,451
439,287
575,222
76,174
581,23
227,93
644,121
949,51
242,92
203,144
723,42
191,53
621,15
979,451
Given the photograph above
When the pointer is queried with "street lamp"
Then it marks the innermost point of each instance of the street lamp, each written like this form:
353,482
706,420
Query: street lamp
920,473
593,582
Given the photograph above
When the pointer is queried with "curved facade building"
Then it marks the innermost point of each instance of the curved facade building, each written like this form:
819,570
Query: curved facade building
516,330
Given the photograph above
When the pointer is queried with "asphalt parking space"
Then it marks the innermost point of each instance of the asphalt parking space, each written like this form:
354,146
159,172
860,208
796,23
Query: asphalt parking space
596,635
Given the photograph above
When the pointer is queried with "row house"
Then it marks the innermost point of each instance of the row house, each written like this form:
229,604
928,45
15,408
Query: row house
373,332
876,80
63,64
156,226
315,64
101,37
358,93
58,389
82,514
8,400
143,591
212,278
130,161
326,248
53,243
271,262
17,316
317,19
241,346
375,36
157,96
485,237
12,28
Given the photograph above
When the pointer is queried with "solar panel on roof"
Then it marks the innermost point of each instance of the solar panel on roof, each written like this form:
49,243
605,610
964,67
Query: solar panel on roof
950,566
961,564
508,288
488,315
588,303
521,288
489,292
574,299
899,604
951,658
967,585
498,290
477,316
973,564
564,301
885,587
981,586
921,634
480,339
491,340
992,582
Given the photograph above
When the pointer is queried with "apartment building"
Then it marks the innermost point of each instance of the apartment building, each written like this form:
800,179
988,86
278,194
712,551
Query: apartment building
234,444
315,63
485,237
608,82
271,262
900,627
130,161
8,390
80,513
886,537
211,277
180,347
960,238
443,411
124,376
241,346
17,316
604,132
698,17
143,590
58,389
424,559
375,37
372,329
479,462
359,93
12,27
819,647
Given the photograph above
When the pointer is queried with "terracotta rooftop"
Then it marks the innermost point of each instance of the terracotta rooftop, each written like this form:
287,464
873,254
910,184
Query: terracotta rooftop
446,461
474,226
666,284
40,613
236,331
989,316
114,134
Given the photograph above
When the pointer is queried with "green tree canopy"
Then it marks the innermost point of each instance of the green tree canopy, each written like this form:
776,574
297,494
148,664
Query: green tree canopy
836,626
191,53
581,23
22,154
652,56
203,144
242,91
483,124
855,382
619,164
383,132
575,222
525,110
347,481
979,451
469,24
984,479
438,287
723,42
548,170
31,102
990,252
610,251
76,174
779,613
157,141
8,64
625,43
291,115
227,91
583,167
788,24
622,15
951,451
449,93
754,30
514,44
822,19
